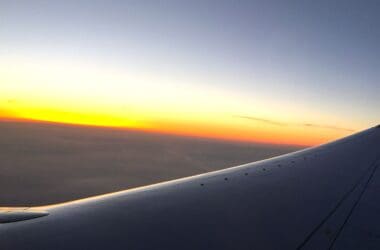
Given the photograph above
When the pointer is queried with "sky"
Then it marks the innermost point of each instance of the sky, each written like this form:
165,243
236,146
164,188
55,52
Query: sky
287,72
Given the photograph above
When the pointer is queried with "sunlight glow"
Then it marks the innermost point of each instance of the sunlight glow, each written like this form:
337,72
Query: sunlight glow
89,94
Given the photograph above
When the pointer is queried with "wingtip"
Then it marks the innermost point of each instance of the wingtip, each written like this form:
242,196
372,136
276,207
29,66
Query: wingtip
8,215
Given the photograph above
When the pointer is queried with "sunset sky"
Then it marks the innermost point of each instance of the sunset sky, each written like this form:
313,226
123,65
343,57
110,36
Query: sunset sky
288,72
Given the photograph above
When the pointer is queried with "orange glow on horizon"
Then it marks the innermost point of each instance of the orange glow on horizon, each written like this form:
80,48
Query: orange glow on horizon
214,131
83,94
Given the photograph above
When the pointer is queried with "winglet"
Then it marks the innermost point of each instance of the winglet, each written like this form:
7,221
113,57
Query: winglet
8,215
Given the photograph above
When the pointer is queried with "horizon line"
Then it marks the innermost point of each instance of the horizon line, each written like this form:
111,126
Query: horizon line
147,130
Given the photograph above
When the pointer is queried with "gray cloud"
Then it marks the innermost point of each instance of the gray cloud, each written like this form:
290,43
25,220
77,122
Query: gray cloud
326,127
122,159
252,118
277,123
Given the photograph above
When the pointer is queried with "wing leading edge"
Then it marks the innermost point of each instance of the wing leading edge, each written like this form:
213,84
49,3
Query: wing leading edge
311,199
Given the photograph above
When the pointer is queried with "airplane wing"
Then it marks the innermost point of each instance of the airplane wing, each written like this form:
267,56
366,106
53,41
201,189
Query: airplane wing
325,197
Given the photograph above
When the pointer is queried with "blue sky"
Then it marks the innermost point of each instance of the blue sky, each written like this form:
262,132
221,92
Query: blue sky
294,56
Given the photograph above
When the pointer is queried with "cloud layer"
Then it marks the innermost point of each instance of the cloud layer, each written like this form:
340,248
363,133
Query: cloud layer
278,123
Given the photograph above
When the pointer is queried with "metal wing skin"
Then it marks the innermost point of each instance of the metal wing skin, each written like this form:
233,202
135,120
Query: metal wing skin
325,197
